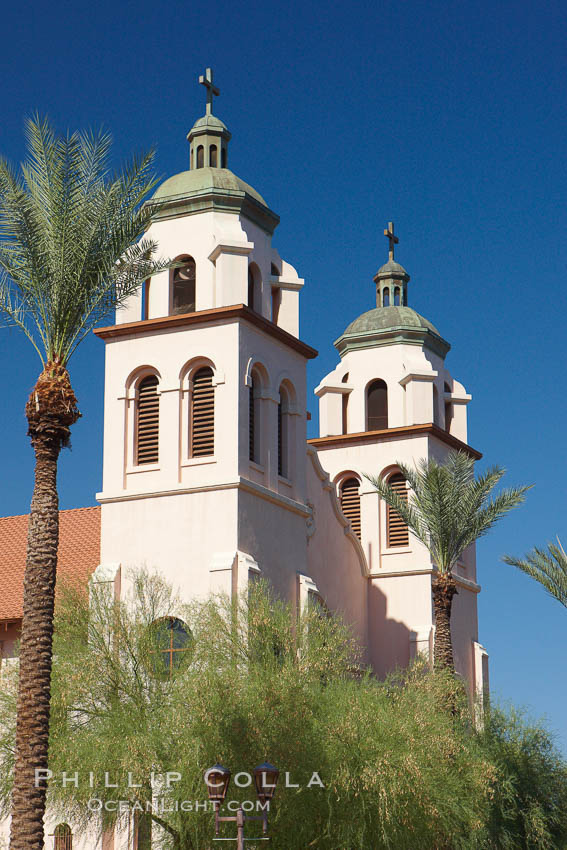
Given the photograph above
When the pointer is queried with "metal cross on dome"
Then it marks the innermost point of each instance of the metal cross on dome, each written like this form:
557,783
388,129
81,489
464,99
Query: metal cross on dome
389,233
212,90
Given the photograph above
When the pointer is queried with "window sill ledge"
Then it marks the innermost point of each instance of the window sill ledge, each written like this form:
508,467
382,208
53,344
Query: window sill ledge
396,550
144,467
257,466
198,461
284,480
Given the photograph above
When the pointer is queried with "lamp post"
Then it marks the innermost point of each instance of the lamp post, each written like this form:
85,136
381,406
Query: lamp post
217,779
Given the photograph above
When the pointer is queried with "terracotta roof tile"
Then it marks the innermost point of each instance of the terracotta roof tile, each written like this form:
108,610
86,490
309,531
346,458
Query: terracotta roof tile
79,554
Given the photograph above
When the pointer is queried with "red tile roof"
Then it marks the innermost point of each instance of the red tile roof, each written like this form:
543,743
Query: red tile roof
79,554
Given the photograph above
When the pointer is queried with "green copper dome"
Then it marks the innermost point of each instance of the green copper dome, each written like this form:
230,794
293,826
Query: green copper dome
209,121
209,185
384,318
392,267
389,326
202,180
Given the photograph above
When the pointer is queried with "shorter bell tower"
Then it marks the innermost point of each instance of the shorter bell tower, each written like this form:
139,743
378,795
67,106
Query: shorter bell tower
392,399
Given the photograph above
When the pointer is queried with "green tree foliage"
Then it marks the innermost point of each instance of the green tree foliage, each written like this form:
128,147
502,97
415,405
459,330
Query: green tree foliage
529,804
256,682
72,248
72,244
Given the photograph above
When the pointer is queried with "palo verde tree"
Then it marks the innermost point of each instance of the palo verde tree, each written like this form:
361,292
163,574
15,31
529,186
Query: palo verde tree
242,686
448,509
71,250
250,680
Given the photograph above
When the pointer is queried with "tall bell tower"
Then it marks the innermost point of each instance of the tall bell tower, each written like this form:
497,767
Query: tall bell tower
205,390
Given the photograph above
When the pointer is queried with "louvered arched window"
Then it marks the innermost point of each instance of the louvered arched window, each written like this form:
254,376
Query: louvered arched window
397,533
377,406
350,502
63,837
202,437
147,421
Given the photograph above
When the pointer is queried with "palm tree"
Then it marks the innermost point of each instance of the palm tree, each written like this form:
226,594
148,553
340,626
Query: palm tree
448,510
548,567
71,249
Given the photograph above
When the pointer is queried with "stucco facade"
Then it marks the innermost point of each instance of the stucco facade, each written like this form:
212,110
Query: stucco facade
265,500
210,522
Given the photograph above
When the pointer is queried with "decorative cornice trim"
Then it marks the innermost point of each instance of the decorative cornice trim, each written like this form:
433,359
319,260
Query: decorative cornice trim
205,317
231,247
392,336
275,498
340,389
222,200
419,375
242,484
291,285
338,440
461,581
126,496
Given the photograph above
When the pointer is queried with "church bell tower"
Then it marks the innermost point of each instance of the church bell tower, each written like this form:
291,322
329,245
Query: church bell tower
392,399
205,390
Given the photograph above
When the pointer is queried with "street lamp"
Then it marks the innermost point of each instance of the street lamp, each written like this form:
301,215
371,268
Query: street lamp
217,779
265,780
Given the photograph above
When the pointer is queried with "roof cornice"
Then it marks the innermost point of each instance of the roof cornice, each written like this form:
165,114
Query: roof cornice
217,199
207,317
393,336
340,440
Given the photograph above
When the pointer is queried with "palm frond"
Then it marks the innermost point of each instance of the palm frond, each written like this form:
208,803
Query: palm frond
405,509
449,508
72,244
548,567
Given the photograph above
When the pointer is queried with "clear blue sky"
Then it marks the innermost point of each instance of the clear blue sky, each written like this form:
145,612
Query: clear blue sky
450,119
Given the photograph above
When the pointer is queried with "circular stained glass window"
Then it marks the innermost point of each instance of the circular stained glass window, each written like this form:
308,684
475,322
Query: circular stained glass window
172,642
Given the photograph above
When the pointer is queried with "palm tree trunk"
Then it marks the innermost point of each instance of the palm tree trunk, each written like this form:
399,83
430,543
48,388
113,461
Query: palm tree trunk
51,409
444,589
32,731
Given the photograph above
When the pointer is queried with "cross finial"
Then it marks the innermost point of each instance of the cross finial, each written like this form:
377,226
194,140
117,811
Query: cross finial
212,90
389,233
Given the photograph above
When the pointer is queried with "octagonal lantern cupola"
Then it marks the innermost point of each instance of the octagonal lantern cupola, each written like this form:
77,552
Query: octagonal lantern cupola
391,322
391,279
209,137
